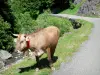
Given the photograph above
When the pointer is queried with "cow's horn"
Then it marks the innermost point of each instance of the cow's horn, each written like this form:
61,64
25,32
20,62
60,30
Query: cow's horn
16,35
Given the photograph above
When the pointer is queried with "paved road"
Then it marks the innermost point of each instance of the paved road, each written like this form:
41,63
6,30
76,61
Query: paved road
87,60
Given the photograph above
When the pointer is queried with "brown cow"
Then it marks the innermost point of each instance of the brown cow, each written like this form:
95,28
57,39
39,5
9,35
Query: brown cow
39,42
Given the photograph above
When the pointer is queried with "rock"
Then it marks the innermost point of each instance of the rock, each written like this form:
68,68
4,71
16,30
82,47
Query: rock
5,55
89,7
75,23
77,1
1,64
14,59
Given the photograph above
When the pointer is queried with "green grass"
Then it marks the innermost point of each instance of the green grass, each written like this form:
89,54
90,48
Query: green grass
67,45
44,20
74,10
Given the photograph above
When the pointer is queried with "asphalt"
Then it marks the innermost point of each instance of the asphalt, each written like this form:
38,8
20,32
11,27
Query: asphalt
87,60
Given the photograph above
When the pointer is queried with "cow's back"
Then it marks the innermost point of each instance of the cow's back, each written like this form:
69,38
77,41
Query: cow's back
46,37
52,34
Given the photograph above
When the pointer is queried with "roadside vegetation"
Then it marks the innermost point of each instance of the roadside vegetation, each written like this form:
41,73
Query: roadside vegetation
67,45
63,24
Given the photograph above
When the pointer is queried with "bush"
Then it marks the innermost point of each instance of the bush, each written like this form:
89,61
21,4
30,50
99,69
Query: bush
62,23
72,5
24,23
76,23
34,7
6,40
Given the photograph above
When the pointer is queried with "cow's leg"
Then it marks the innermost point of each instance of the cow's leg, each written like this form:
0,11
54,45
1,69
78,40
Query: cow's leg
52,51
49,58
37,60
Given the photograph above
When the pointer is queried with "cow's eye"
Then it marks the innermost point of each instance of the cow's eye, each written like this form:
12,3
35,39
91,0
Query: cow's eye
21,41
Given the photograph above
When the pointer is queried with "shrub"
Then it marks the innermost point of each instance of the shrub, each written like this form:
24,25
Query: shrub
34,7
6,40
24,23
76,23
72,5
62,23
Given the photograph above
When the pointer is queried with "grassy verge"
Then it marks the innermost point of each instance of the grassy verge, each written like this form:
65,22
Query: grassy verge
68,44
63,24
74,10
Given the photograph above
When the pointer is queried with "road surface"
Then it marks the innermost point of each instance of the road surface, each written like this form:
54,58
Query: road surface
87,60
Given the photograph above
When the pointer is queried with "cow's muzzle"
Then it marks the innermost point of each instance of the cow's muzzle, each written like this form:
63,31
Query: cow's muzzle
17,51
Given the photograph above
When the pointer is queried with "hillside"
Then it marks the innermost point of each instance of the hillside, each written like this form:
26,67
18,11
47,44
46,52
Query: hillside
89,7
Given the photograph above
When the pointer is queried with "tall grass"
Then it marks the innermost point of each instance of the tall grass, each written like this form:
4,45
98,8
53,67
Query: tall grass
63,24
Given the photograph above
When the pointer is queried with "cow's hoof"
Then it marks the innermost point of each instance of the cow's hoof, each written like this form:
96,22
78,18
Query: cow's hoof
37,69
52,68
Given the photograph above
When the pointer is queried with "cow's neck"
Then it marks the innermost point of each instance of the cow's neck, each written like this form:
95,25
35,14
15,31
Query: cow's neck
28,43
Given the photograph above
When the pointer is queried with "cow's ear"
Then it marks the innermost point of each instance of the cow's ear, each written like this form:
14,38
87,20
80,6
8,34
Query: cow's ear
25,36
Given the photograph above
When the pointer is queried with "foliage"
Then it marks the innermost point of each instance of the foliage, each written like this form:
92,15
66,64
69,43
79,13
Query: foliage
5,12
63,24
76,23
24,23
25,11
72,5
34,7
6,40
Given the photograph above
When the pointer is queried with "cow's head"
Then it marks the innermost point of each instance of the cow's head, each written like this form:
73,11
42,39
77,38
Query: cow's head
21,43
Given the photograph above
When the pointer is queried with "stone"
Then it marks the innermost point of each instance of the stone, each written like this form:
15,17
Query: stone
15,57
89,7
5,55
1,63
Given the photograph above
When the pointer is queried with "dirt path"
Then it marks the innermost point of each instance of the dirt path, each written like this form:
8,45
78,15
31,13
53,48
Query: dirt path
87,60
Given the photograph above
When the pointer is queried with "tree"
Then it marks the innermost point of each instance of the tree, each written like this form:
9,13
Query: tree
6,26
24,23
26,11
6,13
6,40
34,7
